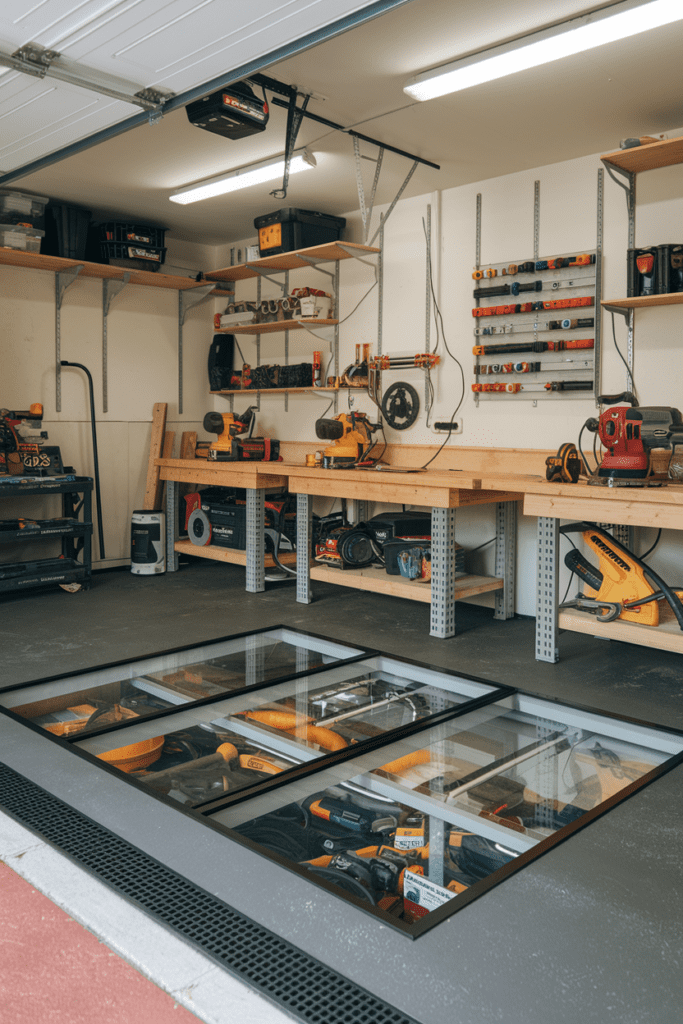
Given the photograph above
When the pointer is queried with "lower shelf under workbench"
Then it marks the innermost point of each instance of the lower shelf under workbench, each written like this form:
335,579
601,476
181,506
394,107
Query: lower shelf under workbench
232,555
668,636
380,582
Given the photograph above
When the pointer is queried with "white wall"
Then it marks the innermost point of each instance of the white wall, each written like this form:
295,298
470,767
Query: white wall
568,223
142,370
143,340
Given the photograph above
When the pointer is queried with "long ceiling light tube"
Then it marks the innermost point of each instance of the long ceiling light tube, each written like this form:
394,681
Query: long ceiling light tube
243,177
620,21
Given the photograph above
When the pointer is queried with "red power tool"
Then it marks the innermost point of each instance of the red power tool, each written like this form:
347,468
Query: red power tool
629,433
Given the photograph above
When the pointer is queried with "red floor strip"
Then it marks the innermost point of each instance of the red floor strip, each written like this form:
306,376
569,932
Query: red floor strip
54,971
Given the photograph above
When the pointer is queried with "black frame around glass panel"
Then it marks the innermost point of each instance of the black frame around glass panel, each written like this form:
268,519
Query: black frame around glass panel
498,692
165,712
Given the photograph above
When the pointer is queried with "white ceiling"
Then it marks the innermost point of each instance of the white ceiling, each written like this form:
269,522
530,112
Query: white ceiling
174,45
581,105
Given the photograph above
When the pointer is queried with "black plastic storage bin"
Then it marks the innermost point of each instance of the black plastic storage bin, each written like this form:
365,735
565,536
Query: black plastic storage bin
66,231
136,246
284,230
670,268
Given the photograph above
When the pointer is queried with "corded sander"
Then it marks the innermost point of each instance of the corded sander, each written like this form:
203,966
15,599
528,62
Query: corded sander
351,433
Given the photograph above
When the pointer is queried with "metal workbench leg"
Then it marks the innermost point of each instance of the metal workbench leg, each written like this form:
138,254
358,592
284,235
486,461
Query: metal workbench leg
171,525
255,540
360,511
443,573
547,594
303,548
506,544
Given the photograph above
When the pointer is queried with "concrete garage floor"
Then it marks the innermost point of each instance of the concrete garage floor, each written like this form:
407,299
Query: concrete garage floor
126,616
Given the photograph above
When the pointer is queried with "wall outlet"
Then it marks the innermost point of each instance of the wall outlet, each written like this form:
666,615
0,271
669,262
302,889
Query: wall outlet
442,428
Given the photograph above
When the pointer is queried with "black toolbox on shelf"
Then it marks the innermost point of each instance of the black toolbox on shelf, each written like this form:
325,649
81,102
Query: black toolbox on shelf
288,229
670,268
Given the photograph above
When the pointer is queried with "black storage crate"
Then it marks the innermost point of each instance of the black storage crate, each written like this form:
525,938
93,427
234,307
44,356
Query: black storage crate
670,268
136,234
284,230
137,246
66,231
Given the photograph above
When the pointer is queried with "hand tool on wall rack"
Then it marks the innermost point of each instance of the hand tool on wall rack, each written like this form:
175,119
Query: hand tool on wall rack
426,361
630,433
551,385
530,307
96,463
531,266
532,326
533,286
623,586
534,346
483,369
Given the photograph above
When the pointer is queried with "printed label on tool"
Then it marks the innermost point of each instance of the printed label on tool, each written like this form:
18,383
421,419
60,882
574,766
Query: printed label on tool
423,896
408,838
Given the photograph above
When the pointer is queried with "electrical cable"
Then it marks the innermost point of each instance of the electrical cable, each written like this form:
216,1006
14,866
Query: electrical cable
651,549
628,368
239,350
344,881
571,574
583,457
438,319
479,546
358,304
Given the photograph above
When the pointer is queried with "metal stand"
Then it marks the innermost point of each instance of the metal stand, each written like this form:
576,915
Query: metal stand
547,595
255,540
63,280
171,525
443,573
506,543
303,548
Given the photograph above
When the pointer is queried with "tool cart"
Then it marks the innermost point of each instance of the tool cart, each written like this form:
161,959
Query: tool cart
74,527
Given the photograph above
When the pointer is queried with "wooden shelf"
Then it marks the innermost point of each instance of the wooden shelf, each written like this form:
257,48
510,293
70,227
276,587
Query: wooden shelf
232,555
275,327
380,582
58,264
647,158
666,637
282,391
641,301
331,252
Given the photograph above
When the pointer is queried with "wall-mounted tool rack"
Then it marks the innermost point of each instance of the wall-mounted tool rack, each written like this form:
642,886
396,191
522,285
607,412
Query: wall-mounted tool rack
537,321
114,279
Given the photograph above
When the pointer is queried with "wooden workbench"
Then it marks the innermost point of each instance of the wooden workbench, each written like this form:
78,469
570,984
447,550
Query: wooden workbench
443,490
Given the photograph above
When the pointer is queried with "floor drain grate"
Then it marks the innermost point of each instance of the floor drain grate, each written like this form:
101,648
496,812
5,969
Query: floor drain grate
303,986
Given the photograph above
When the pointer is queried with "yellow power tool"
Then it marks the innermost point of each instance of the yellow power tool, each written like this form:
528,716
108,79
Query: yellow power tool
351,433
621,585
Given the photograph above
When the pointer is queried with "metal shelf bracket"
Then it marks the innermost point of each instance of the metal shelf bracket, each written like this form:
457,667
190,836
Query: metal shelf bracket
186,301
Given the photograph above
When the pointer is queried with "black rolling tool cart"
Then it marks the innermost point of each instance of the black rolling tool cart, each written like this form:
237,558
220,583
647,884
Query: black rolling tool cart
73,527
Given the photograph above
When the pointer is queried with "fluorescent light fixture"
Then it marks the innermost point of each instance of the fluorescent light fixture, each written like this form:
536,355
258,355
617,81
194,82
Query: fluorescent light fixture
584,33
243,177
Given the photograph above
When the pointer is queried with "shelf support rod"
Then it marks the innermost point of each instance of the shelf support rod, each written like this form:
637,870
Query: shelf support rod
63,280
313,262
187,299
396,198
270,277
110,289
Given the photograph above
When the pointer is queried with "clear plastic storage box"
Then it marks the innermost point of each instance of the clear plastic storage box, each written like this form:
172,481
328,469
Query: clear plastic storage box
22,208
16,236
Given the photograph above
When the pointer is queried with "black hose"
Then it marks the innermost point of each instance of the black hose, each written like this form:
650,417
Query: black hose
96,462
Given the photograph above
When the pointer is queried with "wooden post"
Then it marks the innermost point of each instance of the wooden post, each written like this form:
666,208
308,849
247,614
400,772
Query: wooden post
153,488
